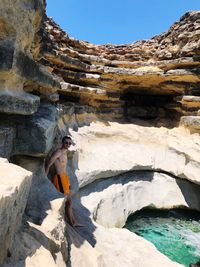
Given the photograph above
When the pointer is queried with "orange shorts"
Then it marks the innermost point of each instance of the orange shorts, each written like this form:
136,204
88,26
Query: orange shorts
62,183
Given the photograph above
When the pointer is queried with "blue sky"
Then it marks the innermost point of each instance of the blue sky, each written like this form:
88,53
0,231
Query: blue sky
119,21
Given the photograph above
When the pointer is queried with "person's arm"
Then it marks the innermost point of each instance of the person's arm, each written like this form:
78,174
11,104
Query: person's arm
51,161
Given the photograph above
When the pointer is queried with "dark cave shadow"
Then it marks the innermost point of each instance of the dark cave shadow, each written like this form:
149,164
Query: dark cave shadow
86,231
101,184
186,187
169,122
157,123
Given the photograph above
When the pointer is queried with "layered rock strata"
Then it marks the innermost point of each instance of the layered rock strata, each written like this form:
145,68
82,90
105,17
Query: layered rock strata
152,80
23,81
19,48
148,82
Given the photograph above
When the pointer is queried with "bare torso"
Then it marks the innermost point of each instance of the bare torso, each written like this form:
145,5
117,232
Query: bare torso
61,161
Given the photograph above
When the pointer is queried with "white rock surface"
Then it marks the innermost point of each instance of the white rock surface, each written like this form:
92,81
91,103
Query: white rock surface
111,201
42,257
30,253
42,245
116,247
105,151
122,248
108,150
82,254
51,235
14,188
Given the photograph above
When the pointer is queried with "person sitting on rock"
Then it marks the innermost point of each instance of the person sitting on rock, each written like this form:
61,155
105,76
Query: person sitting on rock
61,179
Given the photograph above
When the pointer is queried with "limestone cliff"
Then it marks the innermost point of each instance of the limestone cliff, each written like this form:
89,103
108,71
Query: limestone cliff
124,106
154,79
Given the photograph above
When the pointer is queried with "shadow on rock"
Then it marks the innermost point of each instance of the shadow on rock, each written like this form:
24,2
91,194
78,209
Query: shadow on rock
102,184
186,187
42,193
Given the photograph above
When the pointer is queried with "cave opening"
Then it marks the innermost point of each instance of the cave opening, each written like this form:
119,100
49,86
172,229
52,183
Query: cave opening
149,106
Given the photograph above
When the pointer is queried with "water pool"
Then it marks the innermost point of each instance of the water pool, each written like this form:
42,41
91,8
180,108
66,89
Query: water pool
175,233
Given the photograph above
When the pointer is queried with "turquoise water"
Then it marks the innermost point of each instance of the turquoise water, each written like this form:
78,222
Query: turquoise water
175,233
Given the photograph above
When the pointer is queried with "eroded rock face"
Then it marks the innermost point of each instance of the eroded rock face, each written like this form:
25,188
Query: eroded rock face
112,200
18,49
108,150
154,81
135,81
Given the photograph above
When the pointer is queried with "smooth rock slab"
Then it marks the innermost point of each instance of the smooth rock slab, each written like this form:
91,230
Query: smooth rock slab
113,246
108,150
120,247
14,188
41,258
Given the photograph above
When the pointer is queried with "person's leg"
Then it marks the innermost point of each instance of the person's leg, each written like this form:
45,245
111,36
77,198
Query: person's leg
69,212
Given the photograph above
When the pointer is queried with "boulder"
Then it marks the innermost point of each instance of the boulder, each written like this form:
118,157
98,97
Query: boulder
14,189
